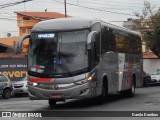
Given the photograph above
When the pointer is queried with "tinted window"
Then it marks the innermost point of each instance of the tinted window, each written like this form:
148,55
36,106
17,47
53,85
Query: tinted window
58,53
119,41
122,42
127,43
108,40
97,27
135,44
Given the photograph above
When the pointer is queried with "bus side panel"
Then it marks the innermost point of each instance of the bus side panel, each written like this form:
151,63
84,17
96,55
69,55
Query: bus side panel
109,67
123,69
126,64
132,66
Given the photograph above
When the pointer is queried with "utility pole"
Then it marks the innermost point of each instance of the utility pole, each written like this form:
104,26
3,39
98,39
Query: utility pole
65,8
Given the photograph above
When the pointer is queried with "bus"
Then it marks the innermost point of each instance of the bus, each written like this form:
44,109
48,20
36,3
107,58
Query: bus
76,58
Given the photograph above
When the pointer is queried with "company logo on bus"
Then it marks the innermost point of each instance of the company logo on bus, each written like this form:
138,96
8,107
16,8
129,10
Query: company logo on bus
55,87
53,80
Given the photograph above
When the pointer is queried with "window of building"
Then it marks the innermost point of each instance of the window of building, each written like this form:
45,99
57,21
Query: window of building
23,30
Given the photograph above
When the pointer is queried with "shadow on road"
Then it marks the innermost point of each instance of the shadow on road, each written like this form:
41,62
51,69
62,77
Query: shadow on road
86,103
155,84
13,96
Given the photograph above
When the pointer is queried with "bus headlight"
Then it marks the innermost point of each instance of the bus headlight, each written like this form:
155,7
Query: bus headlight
34,84
89,78
80,82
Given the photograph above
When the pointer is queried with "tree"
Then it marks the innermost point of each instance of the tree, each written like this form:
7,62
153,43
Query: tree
149,26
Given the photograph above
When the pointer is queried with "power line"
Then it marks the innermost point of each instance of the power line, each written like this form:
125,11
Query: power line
113,3
95,8
12,4
128,2
12,19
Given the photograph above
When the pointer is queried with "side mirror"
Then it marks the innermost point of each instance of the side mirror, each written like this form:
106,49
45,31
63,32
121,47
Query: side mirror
20,42
91,38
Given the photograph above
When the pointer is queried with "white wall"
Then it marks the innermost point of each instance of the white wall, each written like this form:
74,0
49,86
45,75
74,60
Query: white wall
150,65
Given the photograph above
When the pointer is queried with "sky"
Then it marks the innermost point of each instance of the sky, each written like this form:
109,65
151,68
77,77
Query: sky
114,11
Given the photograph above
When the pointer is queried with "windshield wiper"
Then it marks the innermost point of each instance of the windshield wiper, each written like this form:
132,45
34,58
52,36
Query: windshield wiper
66,67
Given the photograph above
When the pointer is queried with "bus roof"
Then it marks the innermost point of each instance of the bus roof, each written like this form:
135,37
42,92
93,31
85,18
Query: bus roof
120,28
63,24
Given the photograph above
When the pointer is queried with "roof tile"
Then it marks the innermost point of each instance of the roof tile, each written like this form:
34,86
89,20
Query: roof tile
42,15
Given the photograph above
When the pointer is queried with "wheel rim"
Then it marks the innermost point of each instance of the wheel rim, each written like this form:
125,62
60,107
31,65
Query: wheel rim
133,88
7,93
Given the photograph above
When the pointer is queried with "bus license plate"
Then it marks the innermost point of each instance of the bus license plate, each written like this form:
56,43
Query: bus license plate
56,96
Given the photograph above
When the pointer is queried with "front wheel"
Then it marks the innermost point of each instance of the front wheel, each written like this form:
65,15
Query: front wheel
6,93
103,97
51,103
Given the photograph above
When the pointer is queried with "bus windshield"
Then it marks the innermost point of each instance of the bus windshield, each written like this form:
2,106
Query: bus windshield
58,53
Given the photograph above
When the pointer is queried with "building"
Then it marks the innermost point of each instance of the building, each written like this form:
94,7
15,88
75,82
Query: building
25,22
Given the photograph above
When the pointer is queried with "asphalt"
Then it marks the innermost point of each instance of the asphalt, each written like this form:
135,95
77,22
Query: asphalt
146,99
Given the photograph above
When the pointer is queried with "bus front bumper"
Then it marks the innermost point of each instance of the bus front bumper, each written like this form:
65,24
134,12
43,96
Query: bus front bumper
86,90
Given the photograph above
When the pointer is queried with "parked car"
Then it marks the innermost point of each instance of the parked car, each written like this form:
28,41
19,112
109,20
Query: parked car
20,87
146,79
155,76
5,86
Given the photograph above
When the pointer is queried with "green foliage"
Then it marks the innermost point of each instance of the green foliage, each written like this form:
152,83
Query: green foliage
148,23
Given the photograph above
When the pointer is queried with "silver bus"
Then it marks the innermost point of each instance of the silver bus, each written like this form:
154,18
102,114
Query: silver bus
73,58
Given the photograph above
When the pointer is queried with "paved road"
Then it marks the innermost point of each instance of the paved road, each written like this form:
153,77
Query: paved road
146,99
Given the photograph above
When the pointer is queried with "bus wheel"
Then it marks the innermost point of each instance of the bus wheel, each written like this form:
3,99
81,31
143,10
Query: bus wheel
131,91
102,98
51,103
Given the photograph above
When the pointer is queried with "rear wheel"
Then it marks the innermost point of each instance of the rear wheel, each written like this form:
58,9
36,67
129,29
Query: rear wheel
6,93
131,91
51,103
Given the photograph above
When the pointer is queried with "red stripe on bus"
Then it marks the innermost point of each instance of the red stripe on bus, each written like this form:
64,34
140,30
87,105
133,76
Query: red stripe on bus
40,79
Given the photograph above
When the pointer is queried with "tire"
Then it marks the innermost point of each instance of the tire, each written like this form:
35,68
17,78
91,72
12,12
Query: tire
103,97
146,83
51,103
6,93
131,92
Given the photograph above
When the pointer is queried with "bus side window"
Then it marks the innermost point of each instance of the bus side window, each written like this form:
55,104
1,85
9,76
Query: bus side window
97,27
122,42
93,56
108,40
